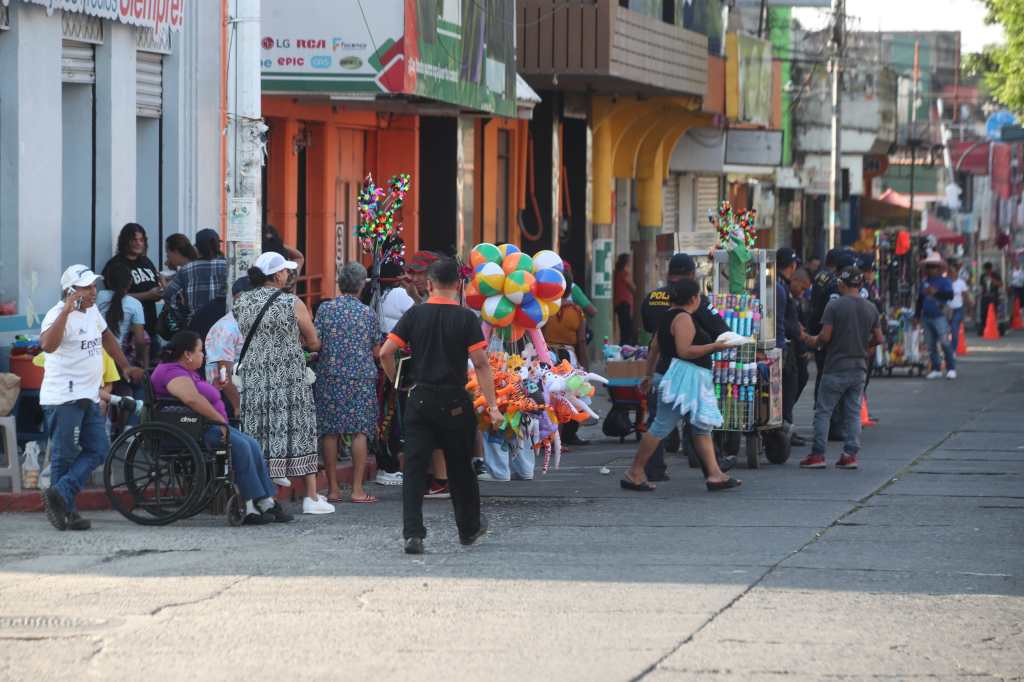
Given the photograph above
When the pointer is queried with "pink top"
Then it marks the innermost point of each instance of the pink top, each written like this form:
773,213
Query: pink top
166,372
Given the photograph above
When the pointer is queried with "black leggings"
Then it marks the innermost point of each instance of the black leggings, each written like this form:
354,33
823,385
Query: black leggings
624,313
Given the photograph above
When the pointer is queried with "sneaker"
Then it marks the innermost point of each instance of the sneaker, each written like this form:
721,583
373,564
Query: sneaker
485,476
813,461
951,374
317,506
56,509
847,462
934,374
469,540
76,522
478,466
386,478
414,546
438,492
257,519
278,513
283,482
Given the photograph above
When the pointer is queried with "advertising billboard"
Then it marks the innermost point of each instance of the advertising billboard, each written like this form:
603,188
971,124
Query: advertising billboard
456,51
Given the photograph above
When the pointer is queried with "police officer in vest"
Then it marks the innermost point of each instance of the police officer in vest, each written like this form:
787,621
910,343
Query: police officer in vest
442,337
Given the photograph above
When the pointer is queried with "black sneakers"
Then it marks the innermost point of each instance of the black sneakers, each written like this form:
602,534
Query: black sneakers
469,540
76,522
279,514
414,546
56,509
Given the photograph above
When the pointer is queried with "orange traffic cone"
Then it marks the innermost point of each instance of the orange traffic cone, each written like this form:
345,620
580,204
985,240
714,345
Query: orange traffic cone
1016,323
961,345
865,417
991,332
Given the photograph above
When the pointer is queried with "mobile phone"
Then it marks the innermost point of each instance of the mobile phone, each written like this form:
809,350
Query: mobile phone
78,304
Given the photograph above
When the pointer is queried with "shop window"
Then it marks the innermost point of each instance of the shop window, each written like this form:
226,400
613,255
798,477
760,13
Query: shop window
504,177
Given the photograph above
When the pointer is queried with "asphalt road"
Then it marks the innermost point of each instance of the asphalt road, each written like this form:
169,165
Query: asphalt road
912,566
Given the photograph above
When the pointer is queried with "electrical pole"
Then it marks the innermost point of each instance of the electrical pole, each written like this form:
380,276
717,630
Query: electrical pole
246,139
835,66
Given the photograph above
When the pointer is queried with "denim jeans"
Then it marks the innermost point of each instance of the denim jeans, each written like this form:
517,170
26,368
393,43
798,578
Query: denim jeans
843,391
248,464
71,463
954,328
936,331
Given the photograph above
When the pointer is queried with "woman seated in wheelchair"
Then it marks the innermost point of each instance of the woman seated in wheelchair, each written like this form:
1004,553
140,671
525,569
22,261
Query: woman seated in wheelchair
177,377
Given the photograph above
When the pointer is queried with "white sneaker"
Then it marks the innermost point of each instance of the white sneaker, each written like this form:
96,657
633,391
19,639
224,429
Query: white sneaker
317,506
384,478
951,374
284,482
934,375
485,476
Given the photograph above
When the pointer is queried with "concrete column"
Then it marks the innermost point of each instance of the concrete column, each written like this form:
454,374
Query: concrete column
603,245
30,160
115,132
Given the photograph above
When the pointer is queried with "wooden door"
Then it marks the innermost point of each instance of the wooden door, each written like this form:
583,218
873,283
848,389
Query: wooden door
351,171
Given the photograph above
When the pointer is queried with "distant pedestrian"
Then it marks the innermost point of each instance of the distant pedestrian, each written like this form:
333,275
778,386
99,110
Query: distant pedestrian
935,292
959,304
794,365
849,332
346,385
442,337
180,252
623,293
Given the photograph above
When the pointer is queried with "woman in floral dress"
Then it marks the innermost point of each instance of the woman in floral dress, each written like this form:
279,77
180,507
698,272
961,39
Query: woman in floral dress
346,386
277,401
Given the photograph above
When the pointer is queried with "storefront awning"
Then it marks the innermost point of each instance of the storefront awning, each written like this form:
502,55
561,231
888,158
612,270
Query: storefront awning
891,209
526,98
941,231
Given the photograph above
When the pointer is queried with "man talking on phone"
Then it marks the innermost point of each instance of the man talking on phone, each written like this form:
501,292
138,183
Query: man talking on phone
74,336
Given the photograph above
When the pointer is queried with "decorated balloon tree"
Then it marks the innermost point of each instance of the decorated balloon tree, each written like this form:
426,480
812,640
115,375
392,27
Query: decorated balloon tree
378,232
515,293
737,234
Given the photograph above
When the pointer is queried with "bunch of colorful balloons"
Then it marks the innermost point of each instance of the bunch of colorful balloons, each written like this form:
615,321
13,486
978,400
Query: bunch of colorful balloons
513,291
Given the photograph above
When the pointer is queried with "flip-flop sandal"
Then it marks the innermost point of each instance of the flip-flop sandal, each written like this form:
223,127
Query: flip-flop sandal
723,485
644,487
369,499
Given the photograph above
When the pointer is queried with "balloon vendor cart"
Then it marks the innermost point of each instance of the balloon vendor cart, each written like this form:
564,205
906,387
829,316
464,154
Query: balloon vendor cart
748,378
903,347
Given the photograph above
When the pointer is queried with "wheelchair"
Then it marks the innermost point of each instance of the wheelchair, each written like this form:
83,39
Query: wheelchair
162,471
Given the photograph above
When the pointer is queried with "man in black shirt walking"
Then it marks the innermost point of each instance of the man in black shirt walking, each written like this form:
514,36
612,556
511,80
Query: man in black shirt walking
656,303
442,337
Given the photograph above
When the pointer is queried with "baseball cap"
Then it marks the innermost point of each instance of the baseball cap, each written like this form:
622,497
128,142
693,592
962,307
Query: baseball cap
241,285
271,263
681,264
78,276
206,236
784,257
391,271
851,276
420,261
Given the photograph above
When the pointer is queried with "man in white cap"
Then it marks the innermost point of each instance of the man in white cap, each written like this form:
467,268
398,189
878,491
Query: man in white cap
74,336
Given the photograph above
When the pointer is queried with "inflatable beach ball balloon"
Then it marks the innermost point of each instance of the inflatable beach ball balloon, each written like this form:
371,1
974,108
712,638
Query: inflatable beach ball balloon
517,285
489,279
510,333
485,253
498,311
547,259
529,314
474,299
549,284
507,249
517,261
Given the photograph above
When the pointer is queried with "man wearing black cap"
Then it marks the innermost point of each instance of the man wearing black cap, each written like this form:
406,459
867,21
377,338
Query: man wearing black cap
656,303
199,282
849,332
787,332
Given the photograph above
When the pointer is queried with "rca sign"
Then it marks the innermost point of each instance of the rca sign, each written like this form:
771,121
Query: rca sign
153,14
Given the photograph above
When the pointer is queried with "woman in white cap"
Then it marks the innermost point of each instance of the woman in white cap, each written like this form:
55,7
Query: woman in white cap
277,401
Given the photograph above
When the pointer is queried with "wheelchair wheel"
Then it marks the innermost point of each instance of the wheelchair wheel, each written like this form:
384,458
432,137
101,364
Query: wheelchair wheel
154,474
235,511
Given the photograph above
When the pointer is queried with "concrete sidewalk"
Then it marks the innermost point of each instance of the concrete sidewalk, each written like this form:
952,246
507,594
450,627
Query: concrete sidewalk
908,567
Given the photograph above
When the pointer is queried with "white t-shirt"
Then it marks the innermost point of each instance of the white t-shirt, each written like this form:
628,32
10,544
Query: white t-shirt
75,370
1017,277
959,289
395,303
132,307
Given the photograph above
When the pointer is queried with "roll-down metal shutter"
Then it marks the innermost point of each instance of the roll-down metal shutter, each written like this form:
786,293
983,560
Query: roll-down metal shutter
670,205
78,62
149,84
705,191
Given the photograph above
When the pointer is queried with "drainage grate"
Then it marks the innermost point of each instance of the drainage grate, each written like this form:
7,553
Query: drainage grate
55,623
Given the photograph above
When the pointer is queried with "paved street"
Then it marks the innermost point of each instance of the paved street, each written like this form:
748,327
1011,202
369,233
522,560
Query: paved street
912,566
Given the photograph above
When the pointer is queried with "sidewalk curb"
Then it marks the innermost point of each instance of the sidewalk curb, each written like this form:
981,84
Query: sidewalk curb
95,499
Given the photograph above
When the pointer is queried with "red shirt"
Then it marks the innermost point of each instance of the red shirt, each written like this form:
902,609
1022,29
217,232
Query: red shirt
622,290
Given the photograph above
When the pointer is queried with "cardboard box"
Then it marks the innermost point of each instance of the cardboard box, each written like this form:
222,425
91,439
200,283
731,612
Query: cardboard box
625,369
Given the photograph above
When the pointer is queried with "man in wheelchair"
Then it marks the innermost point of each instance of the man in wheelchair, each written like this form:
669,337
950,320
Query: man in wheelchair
177,377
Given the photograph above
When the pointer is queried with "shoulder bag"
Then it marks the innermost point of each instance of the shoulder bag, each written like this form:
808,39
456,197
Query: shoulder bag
235,379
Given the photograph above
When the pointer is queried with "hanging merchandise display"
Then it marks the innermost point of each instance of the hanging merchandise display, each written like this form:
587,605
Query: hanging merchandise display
737,235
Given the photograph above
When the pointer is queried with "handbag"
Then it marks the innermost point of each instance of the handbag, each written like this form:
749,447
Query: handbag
168,323
235,379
